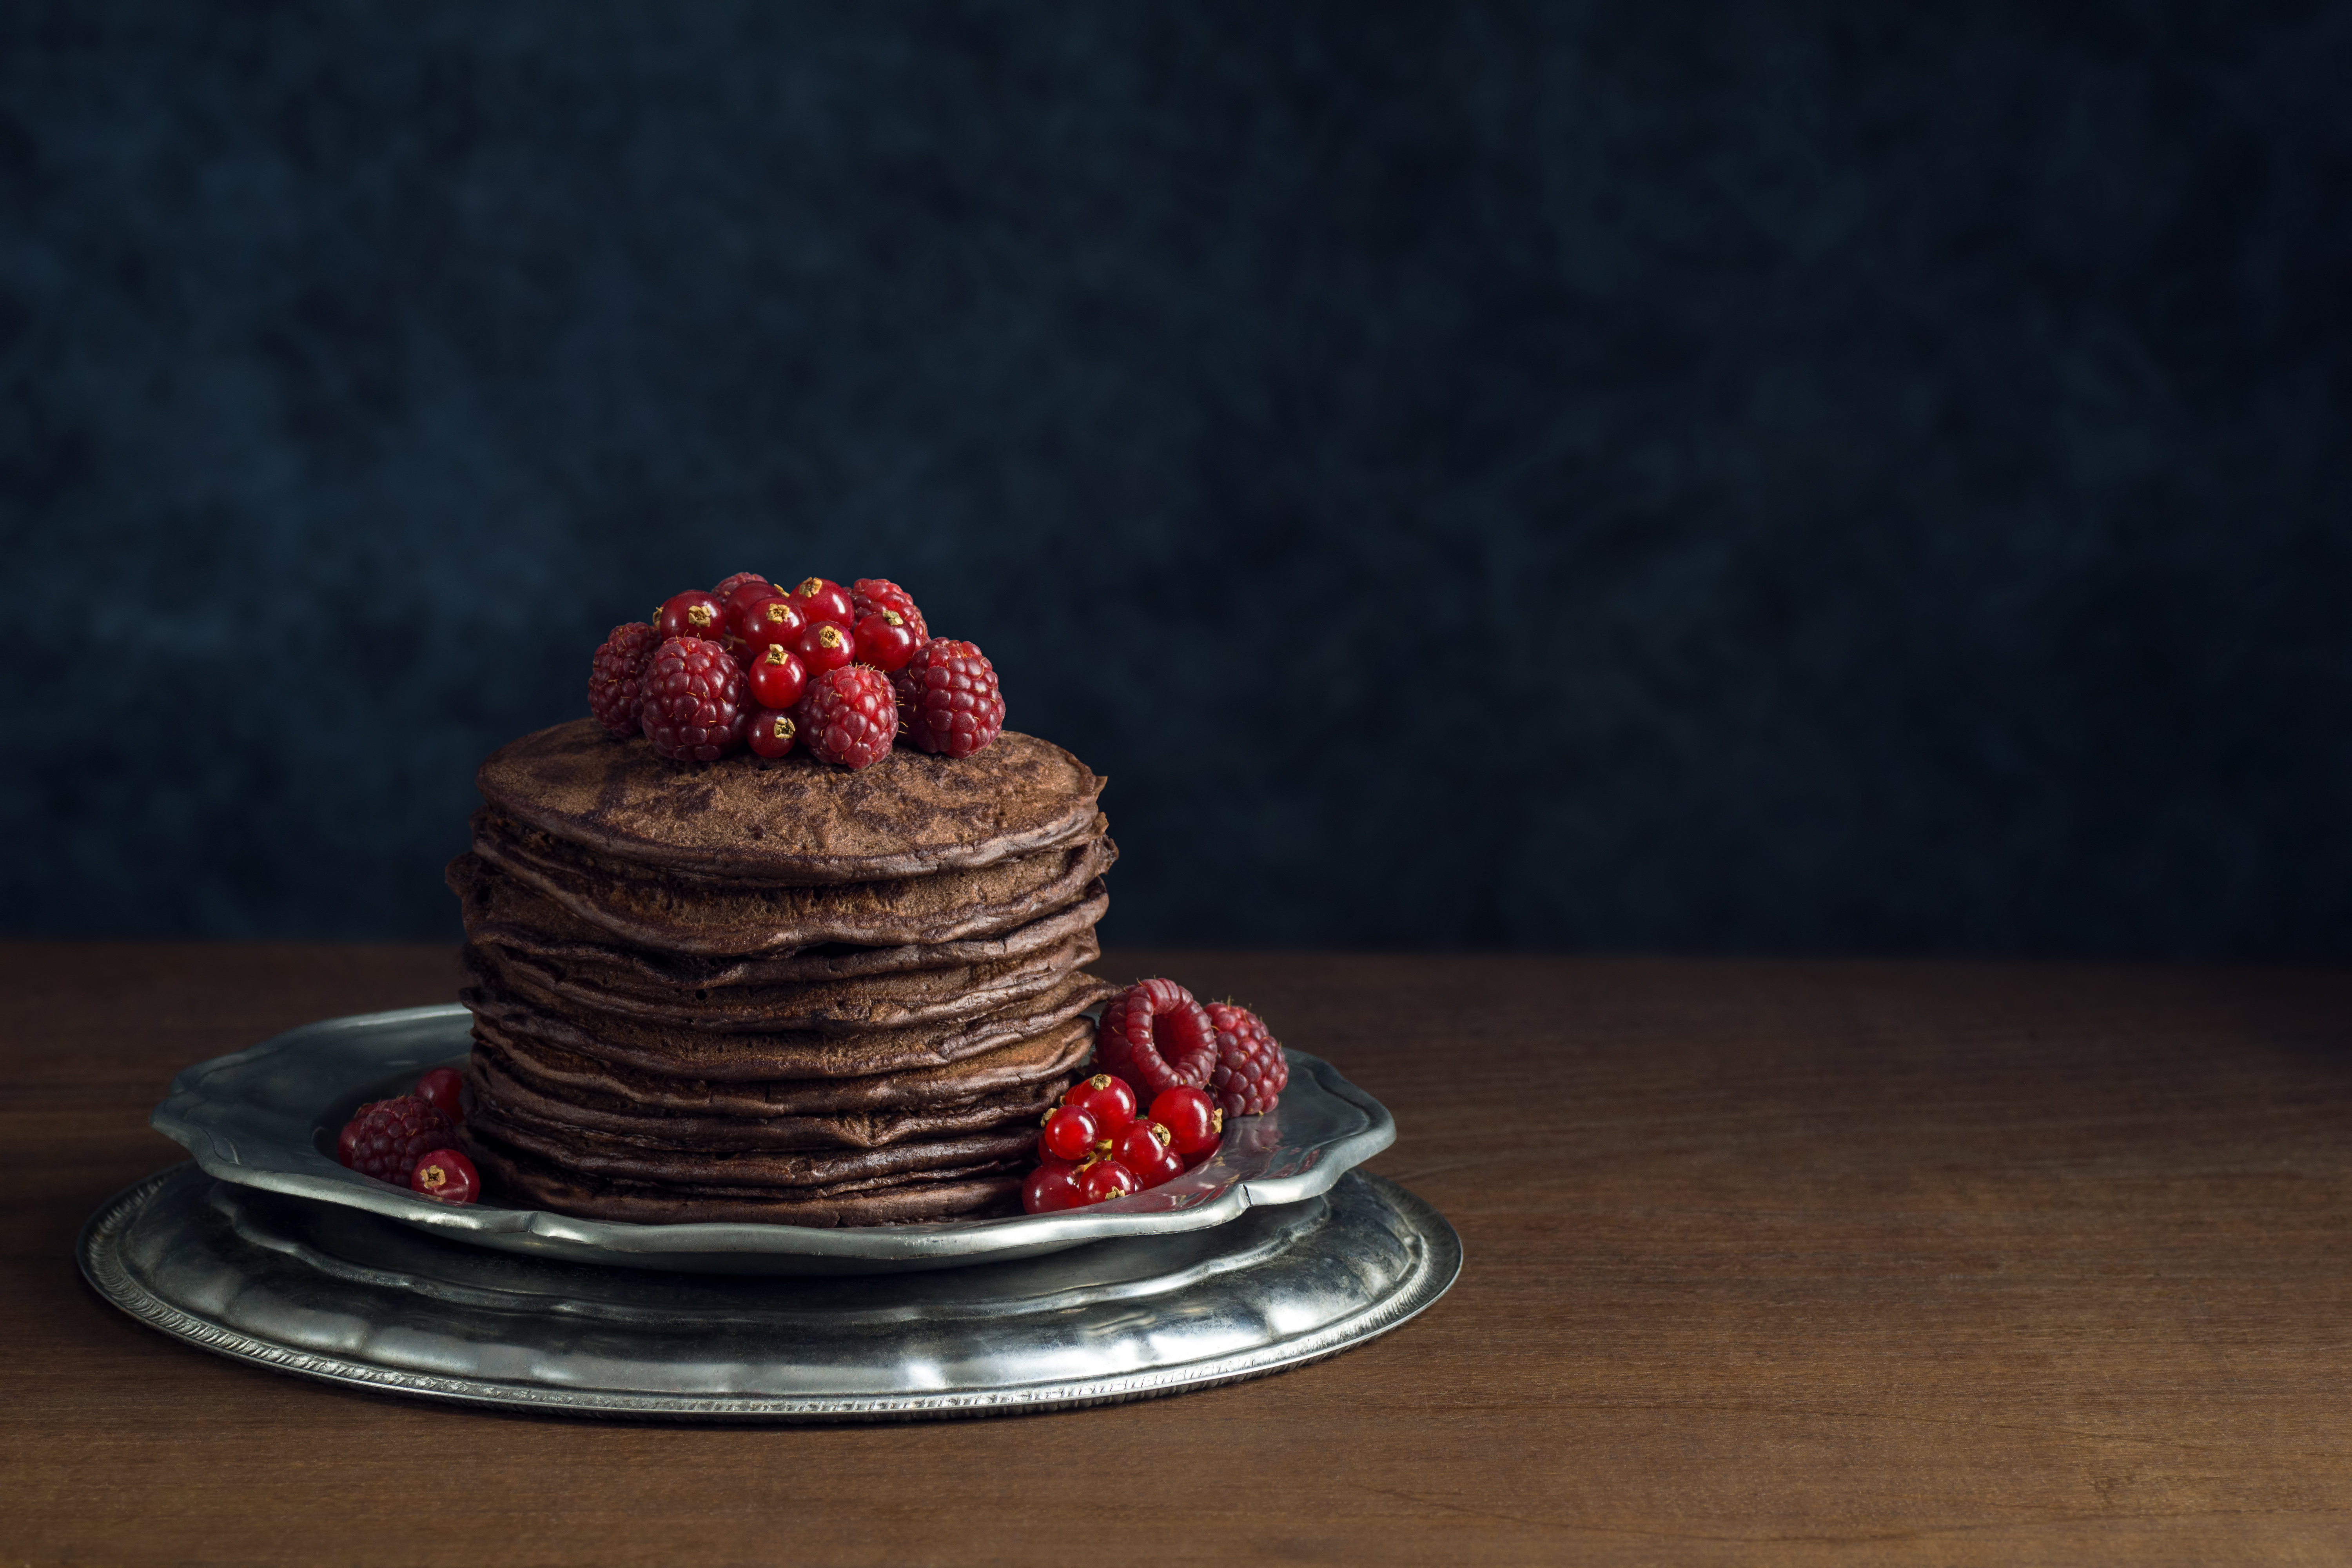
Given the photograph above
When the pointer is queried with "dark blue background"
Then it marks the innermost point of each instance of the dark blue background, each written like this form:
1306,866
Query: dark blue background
1772,478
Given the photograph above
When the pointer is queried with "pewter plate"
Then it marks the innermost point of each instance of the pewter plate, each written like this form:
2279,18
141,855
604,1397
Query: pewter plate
355,1299
267,1117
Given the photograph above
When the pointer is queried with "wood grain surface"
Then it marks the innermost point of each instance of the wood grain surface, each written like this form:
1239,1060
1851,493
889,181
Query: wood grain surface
1765,1263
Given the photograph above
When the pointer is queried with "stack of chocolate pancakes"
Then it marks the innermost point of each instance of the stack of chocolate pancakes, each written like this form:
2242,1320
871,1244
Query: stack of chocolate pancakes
775,991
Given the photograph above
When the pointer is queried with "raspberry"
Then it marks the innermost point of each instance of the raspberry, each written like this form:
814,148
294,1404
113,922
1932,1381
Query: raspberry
949,695
1251,1073
872,595
695,705
1157,1038
848,717
616,677
387,1137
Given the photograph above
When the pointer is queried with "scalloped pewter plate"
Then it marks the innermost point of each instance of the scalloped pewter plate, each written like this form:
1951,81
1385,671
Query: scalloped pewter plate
267,1117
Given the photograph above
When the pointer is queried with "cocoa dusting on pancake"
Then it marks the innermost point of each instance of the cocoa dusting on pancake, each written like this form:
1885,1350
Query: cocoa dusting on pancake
792,820
736,1057
836,1006
1051,1057
736,919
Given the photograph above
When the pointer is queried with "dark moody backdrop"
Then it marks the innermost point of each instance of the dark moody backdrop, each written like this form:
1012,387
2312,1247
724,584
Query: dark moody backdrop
1751,478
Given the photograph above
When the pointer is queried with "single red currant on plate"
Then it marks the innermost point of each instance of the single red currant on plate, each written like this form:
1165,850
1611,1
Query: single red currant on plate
776,677
1108,1100
823,599
1107,1179
824,646
1069,1134
1144,1149
1052,1186
1194,1121
693,613
443,1089
447,1176
769,622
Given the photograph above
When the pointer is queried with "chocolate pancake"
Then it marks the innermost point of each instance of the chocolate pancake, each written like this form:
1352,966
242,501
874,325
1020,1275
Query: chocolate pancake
519,1179
586,1152
739,1057
522,1105
672,913
794,820
577,1079
502,912
837,1006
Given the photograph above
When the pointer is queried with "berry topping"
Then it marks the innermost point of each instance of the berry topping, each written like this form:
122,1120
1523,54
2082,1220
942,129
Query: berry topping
731,587
1144,1149
1105,1179
823,599
1069,1134
884,640
871,594
695,708
443,1089
768,621
1171,1165
776,677
616,677
949,695
848,717
770,733
445,1175
1107,1099
1155,1035
386,1138
824,646
1251,1073
1052,1186
694,614
1193,1120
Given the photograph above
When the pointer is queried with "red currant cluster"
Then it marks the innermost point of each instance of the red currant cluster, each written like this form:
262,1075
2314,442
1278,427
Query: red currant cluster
406,1140
842,672
1199,1063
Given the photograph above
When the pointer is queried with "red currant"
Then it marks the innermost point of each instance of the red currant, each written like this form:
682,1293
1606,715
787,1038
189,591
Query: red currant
770,734
1069,1134
1142,1148
884,640
776,677
442,1087
1107,1179
693,613
1052,1186
823,599
1193,1120
769,621
446,1174
1108,1100
1171,1165
824,646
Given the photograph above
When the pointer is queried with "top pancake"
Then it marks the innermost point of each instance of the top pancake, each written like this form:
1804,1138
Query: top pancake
792,822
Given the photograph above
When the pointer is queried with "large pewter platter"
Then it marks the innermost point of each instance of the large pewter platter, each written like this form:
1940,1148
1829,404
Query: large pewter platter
353,1299
267,1117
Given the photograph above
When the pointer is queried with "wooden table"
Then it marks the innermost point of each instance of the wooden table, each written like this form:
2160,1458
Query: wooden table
1767,1263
